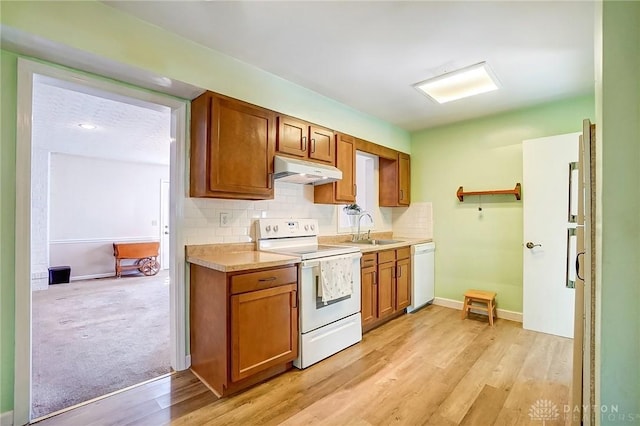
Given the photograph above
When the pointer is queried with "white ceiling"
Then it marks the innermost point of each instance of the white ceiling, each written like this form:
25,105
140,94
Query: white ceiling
367,54
126,129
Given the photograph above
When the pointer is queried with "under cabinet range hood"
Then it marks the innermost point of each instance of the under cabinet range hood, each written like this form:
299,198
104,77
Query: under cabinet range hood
304,172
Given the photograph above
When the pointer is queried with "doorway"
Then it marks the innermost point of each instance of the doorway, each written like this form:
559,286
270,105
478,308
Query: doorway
30,73
95,164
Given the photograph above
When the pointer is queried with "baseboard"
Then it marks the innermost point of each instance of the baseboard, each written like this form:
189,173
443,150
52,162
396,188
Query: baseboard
456,304
6,418
92,276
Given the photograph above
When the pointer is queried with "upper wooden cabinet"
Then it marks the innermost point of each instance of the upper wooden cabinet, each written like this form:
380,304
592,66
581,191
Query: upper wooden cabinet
404,179
293,137
304,140
342,191
232,148
395,185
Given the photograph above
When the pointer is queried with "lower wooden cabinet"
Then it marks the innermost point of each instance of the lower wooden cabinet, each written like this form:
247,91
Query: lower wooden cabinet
403,283
369,295
264,330
386,290
386,286
244,326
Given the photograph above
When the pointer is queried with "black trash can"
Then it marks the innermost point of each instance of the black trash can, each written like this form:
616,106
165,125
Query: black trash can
59,274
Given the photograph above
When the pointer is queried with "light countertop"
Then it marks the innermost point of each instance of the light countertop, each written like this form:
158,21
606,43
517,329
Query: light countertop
402,242
241,261
221,258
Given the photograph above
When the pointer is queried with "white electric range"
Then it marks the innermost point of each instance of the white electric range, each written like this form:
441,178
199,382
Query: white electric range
325,327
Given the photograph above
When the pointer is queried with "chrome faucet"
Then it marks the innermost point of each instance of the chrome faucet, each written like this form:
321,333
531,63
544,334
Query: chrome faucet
357,236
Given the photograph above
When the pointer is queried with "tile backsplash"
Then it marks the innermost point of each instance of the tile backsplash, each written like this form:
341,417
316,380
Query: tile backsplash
202,215
202,223
413,221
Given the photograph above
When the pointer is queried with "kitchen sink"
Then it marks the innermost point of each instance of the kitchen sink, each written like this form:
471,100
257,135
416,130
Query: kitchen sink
377,242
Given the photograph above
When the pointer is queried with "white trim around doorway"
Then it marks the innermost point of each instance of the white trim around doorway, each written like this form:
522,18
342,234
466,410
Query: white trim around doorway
27,70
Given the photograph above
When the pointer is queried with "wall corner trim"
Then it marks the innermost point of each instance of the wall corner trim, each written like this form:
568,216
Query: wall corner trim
457,304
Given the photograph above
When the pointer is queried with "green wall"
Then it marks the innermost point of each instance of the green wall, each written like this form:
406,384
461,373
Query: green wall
8,77
620,196
105,32
483,250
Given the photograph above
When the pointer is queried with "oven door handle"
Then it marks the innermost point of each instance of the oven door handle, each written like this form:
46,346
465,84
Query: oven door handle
316,262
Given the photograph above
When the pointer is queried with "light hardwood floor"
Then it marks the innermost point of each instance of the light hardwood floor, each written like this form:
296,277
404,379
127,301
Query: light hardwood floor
427,368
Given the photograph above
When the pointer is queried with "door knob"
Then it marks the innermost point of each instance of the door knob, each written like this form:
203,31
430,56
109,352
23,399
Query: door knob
530,245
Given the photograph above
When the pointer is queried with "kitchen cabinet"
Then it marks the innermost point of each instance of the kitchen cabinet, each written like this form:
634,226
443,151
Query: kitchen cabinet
342,191
304,140
395,181
232,149
404,179
386,286
403,280
386,283
369,292
244,325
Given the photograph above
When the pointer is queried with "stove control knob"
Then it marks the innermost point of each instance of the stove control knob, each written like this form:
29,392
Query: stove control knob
267,228
275,228
306,227
313,227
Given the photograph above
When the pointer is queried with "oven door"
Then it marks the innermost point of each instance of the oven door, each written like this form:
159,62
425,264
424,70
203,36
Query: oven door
313,312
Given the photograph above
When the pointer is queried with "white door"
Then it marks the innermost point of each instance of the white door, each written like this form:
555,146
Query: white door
165,251
548,299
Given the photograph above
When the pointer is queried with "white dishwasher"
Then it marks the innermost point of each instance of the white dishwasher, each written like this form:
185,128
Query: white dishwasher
422,275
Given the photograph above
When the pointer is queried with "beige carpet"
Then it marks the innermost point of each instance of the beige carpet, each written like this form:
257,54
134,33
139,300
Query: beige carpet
97,336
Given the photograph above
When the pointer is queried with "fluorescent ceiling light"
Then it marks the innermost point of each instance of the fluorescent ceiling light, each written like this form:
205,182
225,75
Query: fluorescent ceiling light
86,126
459,84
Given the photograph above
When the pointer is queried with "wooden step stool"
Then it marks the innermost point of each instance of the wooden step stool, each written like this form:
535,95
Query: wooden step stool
480,298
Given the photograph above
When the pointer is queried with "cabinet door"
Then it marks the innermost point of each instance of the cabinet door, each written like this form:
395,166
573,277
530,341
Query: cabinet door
369,306
403,284
346,162
386,287
264,330
388,183
292,136
404,179
342,191
322,145
232,148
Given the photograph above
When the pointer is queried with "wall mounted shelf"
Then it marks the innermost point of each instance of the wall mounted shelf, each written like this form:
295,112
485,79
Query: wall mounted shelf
517,191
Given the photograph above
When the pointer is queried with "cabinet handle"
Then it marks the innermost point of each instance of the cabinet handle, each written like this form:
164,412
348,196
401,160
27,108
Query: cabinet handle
398,271
375,278
267,279
270,181
401,194
294,300
355,189
313,145
304,143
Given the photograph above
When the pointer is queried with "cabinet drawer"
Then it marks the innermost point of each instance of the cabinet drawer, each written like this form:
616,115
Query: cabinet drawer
386,256
263,279
403,253
369,259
